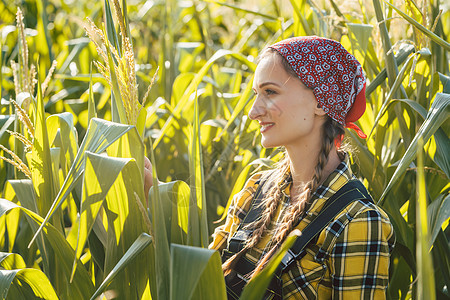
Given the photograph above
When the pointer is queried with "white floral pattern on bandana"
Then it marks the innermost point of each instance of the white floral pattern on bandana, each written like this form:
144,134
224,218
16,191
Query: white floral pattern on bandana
323,65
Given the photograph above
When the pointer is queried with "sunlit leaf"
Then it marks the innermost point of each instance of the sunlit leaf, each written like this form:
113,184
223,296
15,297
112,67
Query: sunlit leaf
100,135
35,279
197,222
425,274
136,248
437,114
181,105
10,261
438,213
81,287
206,283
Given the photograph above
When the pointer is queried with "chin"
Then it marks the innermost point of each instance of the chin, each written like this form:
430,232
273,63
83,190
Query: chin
266,144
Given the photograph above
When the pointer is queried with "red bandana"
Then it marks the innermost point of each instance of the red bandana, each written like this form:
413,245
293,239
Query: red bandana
334,75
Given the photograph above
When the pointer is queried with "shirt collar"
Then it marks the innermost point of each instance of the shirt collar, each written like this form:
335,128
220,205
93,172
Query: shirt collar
332,183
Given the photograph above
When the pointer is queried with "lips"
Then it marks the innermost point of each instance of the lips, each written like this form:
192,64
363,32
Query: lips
265,126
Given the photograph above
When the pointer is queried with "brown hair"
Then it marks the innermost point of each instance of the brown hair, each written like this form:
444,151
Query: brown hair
331,131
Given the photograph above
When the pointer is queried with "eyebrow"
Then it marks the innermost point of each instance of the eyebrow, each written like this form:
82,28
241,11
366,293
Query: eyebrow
268,83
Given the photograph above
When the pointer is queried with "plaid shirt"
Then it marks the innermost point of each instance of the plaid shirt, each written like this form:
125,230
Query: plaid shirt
350,259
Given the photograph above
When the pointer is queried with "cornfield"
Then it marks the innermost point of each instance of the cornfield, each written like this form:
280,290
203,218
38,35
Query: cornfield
88,88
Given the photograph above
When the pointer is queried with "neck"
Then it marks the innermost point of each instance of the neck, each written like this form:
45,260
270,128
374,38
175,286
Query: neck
303,164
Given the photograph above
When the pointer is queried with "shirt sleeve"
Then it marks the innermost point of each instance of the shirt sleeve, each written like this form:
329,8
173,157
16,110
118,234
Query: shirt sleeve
359,261
240,204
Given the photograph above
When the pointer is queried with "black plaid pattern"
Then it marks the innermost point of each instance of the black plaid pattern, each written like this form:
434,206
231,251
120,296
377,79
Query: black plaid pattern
340,249
369,281
337,283
301,281
373,247
335,227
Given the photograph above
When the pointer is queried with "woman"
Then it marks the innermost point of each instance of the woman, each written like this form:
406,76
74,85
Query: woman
307,90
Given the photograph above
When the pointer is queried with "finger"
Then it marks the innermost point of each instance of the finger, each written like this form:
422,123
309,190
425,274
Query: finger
147,163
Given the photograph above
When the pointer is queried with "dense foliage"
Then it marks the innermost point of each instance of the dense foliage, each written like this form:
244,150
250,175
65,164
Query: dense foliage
89,87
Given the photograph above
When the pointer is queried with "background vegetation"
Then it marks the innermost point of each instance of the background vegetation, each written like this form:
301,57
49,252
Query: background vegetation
74,220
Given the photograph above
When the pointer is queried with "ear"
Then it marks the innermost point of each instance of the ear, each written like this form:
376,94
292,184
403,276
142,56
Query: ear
319,110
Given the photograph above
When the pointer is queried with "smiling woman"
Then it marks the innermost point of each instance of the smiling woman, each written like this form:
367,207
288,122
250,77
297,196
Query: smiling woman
307,90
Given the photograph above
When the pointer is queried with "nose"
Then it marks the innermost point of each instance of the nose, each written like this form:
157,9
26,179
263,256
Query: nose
258,109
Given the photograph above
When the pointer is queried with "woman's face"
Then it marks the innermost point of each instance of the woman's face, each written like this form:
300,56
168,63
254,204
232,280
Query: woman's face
284,107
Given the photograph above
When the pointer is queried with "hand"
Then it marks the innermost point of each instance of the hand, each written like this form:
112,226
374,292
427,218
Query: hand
148,177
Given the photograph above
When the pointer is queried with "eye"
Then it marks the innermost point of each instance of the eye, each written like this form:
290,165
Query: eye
270,91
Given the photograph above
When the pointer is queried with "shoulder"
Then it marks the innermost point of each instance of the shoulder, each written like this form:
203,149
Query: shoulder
360,223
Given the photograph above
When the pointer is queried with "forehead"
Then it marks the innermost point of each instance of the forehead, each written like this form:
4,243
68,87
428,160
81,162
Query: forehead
270,68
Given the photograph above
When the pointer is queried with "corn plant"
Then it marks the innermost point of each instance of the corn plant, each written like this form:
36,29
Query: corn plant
74,217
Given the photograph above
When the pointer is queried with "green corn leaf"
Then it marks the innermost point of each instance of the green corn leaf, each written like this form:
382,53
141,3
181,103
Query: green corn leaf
175,201
43,33
441,259
301,16
117,108
136,248
99,136
438,212
396,85
425,284
366,163
391,65
182,104
403,53
80,44
22,190
256,287
10,261
198,224
12,219
438,40
206,282
100,172
437,114
81,287
442,155
161,276
41,168
445,82
242,103
40,287
110,28
5,122
1,73
399,280
126,222
359,35
92,112
63,125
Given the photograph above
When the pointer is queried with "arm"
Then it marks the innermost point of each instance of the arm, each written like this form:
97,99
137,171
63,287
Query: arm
359,262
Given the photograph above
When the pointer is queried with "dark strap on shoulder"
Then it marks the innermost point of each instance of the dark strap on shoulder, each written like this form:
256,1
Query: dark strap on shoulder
255,211
353,190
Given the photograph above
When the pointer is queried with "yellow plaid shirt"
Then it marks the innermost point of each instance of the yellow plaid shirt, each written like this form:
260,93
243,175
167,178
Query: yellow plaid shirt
350,259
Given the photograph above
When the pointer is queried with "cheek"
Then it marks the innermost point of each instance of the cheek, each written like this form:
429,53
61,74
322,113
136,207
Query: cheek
302,115
273,106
